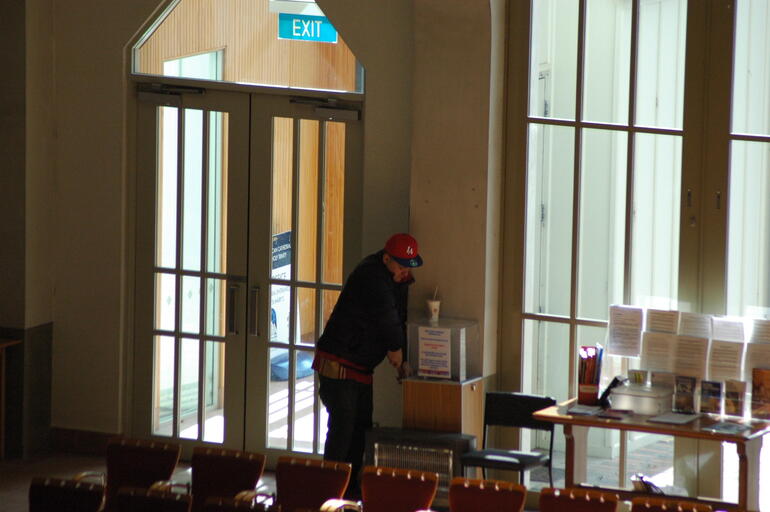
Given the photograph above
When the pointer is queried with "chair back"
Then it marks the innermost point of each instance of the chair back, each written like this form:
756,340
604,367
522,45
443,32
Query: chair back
509,409
397,490
470,495
221,504
224,473
137,463
134,499
59,495
651,504
303,483
577,500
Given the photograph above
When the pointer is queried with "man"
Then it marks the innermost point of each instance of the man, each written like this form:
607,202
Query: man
368,323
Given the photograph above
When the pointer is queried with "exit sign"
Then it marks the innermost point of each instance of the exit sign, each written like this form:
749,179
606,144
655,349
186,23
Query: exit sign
306,28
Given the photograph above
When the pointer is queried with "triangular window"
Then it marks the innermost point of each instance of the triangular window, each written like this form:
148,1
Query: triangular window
276,43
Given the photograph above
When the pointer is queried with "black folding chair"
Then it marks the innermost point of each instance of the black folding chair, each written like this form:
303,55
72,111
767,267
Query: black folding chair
509,409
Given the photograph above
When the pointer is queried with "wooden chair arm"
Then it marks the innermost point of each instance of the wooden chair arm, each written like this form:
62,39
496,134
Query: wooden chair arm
87,475
170,486
338,505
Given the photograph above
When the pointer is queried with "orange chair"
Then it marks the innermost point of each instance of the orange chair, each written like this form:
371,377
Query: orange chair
577,500
467,495
136,463
650,504
220,504
308,483
132,499
59,495
223,473
397,490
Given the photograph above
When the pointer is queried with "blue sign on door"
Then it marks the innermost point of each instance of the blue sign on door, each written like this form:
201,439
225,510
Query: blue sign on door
306,28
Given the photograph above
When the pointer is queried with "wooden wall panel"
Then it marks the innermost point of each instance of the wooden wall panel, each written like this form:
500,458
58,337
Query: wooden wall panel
248,35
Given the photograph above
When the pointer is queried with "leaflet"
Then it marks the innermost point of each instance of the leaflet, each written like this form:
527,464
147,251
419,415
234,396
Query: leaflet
625,331
662,321
757,356
761,331
696,325
690,356
658,351
725,359
726,329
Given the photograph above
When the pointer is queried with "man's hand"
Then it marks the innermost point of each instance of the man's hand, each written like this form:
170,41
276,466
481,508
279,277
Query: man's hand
395,358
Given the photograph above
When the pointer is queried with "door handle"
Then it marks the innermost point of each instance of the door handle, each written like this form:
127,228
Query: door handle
232,296
254,311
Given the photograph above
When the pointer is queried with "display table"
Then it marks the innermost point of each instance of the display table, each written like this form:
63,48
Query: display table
4,343
748,444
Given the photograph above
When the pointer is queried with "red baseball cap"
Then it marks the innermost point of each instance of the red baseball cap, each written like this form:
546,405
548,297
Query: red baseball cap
402,247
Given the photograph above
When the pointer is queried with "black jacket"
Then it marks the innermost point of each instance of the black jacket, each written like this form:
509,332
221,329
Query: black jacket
369,318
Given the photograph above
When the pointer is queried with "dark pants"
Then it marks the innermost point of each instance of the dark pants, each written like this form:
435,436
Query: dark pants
349,404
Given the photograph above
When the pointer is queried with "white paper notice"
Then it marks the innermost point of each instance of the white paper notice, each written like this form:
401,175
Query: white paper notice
435,352
658,351
761,331
757,356
725,360
695,324
625,332
726,329
690,356
662,321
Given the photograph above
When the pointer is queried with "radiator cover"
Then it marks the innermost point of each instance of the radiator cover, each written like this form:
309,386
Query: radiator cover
423,450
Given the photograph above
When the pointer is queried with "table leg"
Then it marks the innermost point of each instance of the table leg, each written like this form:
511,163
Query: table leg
576,462
748,474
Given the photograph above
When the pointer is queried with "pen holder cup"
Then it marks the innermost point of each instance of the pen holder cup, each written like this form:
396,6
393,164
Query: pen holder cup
588,394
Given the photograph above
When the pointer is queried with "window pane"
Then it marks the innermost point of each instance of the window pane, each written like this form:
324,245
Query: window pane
751,79
216,307
278,400
304,394
214,395
549,219
655,244
307,203
283,158
267,42
553,59
166,201
329,299
306,321
607,61
660,64
193,189
602,222
191,304
334,203
748,245
546,368
188,389
165,301
163,386
217,194
280,311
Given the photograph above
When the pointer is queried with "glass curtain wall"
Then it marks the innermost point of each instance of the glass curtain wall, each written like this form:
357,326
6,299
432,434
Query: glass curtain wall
604,163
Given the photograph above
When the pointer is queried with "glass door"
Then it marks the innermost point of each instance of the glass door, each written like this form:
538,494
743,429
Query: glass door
191,266
246,225
308,158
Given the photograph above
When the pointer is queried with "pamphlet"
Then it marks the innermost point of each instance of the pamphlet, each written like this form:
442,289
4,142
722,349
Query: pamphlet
435,352
757,356
684,394
711,397
662,380
690,356
725,359
695,324
625,331
760,393
761,331
662,321
638,377
735,392
727,427
674,418
658,351
584,410
727,329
